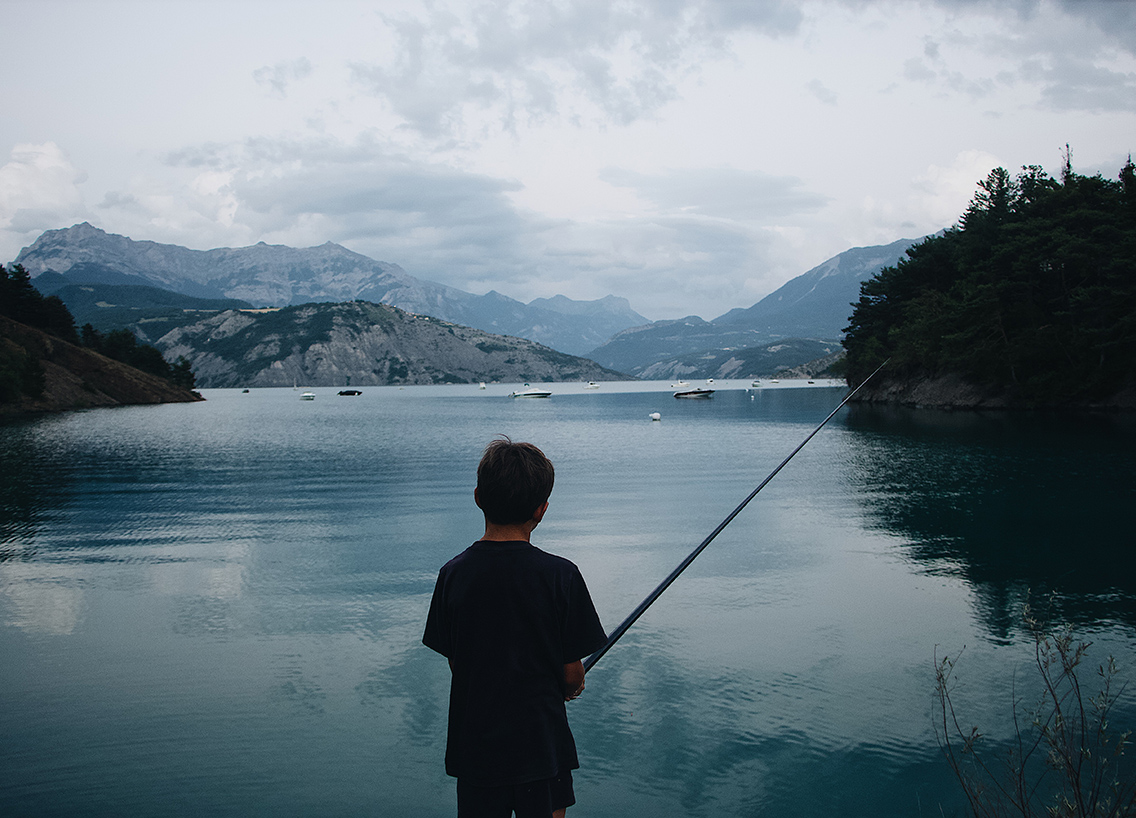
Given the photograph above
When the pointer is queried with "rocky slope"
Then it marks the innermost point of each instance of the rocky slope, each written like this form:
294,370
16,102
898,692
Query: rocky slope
77,378
360,343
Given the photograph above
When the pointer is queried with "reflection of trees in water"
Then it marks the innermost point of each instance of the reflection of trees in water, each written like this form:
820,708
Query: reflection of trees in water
1012,502
26,480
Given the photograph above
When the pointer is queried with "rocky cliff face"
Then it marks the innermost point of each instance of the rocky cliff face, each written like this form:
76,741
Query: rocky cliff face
359,344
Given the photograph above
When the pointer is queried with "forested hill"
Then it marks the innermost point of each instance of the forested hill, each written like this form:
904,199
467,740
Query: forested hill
1029,301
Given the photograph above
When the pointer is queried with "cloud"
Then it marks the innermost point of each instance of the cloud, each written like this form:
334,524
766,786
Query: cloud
530,59
1079,86
721,192
1116,19
464,229
39,189
279,76
819,90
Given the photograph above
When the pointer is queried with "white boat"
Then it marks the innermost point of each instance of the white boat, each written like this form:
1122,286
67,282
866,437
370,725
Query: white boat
592,385
695,393
756,384
308,396
531,392
679,385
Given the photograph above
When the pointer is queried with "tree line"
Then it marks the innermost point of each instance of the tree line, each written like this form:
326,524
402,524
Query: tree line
22,374
1033,292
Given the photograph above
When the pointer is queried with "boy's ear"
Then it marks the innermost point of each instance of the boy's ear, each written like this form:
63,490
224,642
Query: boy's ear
538,515
477,498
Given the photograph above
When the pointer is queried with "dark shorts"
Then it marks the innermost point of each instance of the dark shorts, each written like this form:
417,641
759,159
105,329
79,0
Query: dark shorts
537,799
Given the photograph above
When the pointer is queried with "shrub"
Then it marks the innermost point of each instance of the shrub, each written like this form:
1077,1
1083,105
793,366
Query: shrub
1065,759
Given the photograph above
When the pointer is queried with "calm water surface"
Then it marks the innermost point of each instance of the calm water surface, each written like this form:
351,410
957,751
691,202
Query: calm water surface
215,609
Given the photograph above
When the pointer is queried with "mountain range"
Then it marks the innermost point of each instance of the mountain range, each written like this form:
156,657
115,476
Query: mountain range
156,289
276,276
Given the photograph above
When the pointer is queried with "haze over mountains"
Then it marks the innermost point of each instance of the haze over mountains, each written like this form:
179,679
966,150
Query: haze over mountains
156,289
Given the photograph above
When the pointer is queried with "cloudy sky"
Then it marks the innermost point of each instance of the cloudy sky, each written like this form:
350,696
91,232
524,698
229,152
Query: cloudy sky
690,155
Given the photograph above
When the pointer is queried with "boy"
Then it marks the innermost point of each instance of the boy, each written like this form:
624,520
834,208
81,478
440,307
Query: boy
514,622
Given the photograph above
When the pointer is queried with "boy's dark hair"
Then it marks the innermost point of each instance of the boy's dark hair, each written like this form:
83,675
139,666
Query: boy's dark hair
513,481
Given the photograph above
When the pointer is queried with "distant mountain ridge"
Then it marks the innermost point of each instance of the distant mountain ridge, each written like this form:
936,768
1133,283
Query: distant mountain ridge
277,276
814,306
817,304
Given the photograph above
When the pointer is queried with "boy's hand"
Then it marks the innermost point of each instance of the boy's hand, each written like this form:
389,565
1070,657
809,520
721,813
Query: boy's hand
573,680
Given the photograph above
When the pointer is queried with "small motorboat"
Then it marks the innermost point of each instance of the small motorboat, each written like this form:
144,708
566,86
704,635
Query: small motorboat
531,392
308,396
679,385
756,384
592,385
350,392
695,393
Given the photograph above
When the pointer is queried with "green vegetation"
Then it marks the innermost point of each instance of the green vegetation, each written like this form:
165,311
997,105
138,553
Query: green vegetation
22,302
121,345
21,374
1032,294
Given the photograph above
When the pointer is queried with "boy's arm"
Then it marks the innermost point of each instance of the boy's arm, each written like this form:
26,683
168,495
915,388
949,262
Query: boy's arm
573,680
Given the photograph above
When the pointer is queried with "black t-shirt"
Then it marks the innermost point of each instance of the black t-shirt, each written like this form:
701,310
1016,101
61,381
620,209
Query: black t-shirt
509,616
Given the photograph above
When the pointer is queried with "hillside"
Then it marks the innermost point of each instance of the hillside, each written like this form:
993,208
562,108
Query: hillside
359,343
78,378
276,276
148,312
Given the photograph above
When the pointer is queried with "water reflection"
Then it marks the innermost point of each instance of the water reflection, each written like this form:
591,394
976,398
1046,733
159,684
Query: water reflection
1016,504
217,608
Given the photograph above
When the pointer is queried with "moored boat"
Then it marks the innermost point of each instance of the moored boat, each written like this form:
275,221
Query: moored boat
695,393
531,392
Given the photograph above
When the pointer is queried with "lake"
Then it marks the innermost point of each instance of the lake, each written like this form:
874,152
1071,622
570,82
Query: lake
216,608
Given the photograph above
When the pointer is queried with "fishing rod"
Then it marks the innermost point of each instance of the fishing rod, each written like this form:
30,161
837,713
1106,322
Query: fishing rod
682,566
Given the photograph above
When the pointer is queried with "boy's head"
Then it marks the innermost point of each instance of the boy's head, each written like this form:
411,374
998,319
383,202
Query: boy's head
513,481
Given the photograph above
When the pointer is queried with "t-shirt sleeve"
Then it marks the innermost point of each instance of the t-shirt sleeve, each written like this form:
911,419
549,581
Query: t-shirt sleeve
437,633
584,634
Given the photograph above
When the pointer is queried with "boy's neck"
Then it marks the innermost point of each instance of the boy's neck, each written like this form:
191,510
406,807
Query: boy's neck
509,533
